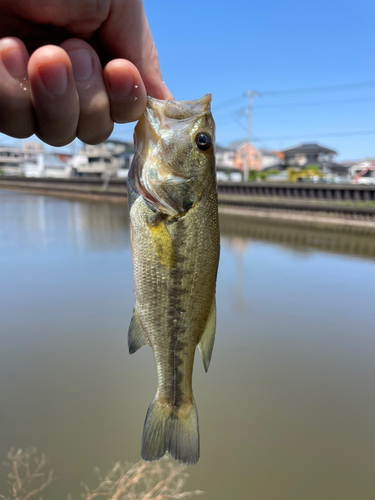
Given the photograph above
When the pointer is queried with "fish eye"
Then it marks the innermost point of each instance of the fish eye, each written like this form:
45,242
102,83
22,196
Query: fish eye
203,141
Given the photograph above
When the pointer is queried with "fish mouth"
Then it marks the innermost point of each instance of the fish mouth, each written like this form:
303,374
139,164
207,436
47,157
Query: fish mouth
177,110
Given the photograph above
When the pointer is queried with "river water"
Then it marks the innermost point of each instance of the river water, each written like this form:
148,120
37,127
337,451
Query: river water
287,408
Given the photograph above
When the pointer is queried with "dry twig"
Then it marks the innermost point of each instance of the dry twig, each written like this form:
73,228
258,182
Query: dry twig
27,477
162,480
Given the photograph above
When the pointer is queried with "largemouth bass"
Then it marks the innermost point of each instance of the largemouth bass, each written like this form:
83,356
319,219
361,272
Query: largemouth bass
175,247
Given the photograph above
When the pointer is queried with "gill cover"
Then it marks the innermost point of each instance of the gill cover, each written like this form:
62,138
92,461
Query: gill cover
173,154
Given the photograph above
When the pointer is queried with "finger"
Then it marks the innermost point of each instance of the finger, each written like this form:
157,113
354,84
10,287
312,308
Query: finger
95,124
126,34
54,95
16,110
127,93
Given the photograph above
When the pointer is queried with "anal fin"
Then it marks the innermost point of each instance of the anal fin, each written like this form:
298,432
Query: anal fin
136,337
206,342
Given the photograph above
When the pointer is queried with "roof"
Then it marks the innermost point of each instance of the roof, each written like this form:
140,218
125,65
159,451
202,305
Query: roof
338,167
267,152
116,141
236,144
221,149
308,148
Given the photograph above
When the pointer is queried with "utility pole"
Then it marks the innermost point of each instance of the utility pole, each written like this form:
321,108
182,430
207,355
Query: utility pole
250,94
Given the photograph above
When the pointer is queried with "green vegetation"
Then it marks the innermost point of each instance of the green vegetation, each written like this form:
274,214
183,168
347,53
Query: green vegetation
260,175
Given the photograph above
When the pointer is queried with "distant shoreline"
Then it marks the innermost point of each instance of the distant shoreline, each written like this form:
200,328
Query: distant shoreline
302,218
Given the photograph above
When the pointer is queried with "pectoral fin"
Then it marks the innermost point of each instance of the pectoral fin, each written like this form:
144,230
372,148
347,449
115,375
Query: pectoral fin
163,245
136,338
206,343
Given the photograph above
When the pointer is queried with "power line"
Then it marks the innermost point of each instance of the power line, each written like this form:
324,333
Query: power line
349,86
325,88
223,112
223,104
302,104
317,103
313,134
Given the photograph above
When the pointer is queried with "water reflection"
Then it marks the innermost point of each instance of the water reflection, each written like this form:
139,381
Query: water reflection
86,225
236,231
286,410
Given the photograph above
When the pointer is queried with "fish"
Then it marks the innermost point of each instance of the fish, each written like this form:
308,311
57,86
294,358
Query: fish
172,199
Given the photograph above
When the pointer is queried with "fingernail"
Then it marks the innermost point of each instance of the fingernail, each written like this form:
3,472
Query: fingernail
82,63
14,62
54,78
120,84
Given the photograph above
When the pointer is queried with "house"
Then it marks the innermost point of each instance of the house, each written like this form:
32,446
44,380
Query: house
10,160
270,159
224,157
247,155
11,157
308,154
124,151
109,158
44,165
225,171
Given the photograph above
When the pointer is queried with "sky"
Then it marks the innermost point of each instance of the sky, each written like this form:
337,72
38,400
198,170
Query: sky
225,48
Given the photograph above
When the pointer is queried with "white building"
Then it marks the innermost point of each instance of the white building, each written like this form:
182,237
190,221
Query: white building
31,161
268,159
109,158
94,161
11,157
225,170
41,165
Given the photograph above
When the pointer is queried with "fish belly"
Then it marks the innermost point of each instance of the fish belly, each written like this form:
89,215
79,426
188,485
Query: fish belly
175,266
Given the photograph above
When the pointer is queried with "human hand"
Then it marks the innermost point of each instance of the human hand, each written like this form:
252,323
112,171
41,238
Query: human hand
61,91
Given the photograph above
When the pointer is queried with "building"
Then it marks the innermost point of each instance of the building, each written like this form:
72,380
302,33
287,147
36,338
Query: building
224,157
30,160
12,157
225,171
270,159
110,158
307,155
10,160
124,151
45,165
246,153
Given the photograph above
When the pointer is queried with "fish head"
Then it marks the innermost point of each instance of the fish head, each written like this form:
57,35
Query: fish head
174,153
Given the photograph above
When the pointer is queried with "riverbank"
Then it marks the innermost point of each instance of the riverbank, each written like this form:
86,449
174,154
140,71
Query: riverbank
351,216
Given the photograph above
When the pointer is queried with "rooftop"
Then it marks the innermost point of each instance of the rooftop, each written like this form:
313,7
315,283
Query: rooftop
308,148
221,149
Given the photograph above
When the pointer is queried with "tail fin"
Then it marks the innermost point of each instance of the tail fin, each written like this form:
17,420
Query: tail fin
171,429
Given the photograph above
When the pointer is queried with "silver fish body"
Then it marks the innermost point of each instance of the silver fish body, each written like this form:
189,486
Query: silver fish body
175,248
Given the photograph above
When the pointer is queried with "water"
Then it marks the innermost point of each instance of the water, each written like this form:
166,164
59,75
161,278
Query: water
287,409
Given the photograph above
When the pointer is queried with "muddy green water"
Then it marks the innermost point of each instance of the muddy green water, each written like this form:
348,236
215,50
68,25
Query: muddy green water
287,409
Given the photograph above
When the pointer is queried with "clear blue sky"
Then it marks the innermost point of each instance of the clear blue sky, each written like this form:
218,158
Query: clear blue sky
228,47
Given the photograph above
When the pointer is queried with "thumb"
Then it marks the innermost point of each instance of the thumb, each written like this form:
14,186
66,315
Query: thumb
126,34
